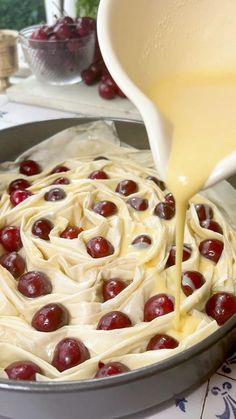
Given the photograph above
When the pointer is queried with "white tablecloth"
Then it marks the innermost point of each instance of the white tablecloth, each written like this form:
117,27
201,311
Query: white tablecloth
214,399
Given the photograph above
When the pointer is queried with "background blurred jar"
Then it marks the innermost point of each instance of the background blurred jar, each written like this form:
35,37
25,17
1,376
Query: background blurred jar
8,56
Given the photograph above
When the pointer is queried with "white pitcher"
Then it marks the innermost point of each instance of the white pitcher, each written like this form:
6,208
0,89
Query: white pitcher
179,36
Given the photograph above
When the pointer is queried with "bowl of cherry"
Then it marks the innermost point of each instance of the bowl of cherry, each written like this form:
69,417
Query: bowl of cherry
58,54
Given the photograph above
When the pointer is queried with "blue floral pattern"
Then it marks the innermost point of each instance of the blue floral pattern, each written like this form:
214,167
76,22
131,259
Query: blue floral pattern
227,366
180,403
229,402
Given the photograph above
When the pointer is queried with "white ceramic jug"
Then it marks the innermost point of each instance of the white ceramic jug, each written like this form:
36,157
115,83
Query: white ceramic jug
179,36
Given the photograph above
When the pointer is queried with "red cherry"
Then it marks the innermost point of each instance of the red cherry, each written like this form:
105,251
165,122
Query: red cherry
34,284
98,174
171,258
114,320
105,208
16,184
111,368
41,228
89,77
211,225
93,73
139,204
165,210
211,249
97,67
191,281
67,20
204,212
68,353
106,75
127,187
14,263
30,168
106,91
59,169
19,196
10,238
142,242
107,79
61,181
71,232
55,194
48,29
120,93
39,35
23,370
99,247
158,182
50,318
157,306
170,198
162,342
221,306
62,31
52,38
112,287
85,25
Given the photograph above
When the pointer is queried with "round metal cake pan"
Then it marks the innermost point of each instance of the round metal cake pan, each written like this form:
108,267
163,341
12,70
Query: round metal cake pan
118,396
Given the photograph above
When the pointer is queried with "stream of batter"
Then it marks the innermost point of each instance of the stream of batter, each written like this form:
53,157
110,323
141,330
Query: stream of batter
203,113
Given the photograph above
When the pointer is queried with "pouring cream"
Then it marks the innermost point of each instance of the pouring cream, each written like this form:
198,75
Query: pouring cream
176,62
202,111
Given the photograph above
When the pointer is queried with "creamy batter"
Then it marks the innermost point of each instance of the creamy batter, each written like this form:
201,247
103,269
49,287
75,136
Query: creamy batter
202,110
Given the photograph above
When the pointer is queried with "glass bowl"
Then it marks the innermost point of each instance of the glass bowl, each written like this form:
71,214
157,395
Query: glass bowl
57,62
